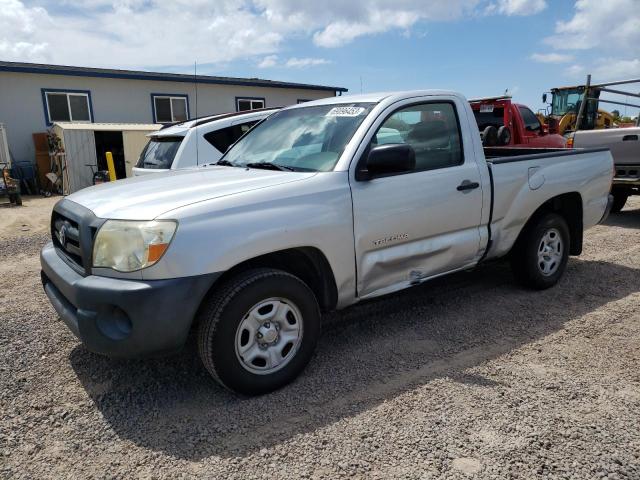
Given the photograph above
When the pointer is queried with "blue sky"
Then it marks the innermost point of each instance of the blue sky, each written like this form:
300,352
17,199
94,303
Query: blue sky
478,47
479,56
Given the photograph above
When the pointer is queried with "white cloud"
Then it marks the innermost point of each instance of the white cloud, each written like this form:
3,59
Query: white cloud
517,7
339,33
607,69
137,33
610,24
551,57
271,61
146,33
609,30
18,27
616,69
268,61
575,71
305,62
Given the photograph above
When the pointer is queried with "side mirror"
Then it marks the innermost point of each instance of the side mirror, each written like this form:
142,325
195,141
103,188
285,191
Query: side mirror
390,158
544,98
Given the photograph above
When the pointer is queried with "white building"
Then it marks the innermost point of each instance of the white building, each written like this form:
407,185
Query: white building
33,96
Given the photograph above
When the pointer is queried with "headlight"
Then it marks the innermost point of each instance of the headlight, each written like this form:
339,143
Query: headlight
126,246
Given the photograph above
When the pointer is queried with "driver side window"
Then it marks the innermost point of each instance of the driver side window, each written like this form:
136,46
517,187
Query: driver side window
432,131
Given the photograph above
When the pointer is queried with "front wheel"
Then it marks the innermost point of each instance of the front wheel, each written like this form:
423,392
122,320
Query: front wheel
258,331
540,256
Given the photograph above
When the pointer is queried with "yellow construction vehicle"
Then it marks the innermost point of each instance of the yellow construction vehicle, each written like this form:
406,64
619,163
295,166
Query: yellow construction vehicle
576,108
565,107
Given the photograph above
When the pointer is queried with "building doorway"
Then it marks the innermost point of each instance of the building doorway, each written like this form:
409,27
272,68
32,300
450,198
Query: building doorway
107,141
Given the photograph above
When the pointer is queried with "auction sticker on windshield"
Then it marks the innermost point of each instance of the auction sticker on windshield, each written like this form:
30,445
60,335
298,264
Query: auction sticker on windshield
486,108
345,112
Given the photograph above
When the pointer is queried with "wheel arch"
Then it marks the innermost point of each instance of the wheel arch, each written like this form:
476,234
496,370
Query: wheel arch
309,264
569,207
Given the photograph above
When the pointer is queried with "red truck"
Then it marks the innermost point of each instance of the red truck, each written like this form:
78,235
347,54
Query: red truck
503,123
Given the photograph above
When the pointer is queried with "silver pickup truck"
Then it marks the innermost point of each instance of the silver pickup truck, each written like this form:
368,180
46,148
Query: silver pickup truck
320,206
624,144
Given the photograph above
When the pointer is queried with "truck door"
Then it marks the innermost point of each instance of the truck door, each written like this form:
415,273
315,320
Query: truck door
415,225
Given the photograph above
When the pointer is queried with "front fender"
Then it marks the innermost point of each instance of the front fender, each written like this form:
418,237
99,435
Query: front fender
216,235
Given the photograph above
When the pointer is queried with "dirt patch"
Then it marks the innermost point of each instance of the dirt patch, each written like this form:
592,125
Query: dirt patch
469,376
29,219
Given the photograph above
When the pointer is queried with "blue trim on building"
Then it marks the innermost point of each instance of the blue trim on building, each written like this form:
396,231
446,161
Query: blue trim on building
44,91
136,75
264,102
177,95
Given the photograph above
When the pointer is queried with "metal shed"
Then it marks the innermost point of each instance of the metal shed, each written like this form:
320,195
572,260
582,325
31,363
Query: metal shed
85,144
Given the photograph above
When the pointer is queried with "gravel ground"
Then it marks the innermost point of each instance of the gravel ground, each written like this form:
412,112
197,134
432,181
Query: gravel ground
465,377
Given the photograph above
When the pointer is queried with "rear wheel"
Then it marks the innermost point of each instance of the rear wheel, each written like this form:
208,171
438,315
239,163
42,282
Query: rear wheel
258,331
540,256
619,200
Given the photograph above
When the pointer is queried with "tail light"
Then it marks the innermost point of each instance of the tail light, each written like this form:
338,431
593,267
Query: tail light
570,142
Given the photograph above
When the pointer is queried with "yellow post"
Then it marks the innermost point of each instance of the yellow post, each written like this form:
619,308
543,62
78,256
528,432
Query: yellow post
111,167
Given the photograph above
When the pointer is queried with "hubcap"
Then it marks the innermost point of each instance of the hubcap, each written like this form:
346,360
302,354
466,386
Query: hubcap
550,252
269,336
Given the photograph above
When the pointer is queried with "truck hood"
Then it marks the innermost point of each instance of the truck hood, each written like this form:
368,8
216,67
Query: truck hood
147,197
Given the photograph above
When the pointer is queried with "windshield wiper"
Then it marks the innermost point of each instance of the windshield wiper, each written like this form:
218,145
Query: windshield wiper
270,166
224,163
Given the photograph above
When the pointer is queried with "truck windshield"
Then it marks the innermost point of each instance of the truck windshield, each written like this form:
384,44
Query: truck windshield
565,101
309,139
159,152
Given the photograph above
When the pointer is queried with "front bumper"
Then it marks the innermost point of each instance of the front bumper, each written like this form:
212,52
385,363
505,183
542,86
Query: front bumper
123,318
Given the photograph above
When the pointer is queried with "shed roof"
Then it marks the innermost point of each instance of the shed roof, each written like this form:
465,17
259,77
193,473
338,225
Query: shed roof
47,69
112,127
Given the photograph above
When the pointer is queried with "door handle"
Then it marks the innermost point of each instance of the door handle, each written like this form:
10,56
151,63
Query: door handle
467,185
627,138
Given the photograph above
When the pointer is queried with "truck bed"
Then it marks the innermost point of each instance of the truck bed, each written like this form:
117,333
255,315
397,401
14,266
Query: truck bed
522,178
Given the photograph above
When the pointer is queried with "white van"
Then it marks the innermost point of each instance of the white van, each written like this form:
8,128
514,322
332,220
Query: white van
195,142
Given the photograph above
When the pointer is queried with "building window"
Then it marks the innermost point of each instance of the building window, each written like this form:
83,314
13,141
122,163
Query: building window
249,103
169,108
67,106
303,100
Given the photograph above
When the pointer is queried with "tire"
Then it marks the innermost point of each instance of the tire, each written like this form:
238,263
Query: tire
490,136
619,200
277,301
537,268
504,135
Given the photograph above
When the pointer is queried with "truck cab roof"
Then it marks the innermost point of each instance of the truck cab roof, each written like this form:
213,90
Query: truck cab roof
376,97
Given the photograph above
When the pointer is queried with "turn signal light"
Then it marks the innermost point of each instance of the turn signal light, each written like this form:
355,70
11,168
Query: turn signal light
156,250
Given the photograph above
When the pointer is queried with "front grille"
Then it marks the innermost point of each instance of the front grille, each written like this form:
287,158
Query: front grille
73,229
65,233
